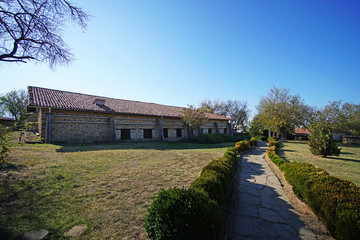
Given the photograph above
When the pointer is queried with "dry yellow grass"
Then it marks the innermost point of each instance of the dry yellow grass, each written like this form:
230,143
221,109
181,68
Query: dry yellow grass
108,187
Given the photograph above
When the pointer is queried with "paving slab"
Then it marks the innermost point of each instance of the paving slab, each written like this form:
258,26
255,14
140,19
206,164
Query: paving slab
262,209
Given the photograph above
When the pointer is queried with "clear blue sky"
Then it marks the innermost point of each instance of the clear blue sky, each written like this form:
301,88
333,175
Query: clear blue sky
180,52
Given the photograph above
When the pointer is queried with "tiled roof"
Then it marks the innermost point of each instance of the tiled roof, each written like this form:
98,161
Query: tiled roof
302,130
56,99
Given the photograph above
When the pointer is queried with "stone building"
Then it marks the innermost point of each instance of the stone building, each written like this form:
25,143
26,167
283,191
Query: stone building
7,122
60,116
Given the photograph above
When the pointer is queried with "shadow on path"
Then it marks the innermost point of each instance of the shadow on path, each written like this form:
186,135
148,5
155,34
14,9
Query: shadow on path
262,210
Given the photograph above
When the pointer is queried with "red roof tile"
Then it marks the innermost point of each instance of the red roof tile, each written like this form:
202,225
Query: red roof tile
302,130
50,98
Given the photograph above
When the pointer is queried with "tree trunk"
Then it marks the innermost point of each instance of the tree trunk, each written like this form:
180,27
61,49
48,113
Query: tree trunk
283,134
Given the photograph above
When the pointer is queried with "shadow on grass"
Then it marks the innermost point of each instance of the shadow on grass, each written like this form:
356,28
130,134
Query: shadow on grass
347,153
4,167
16,210
66,147
344,159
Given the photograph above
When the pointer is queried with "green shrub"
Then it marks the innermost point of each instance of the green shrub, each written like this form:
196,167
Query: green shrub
4,143
223,169
274,143
237,138
216,138
321,141
253,142
272,139
243,145
208,139
258,137
183,214
335,201
348,223
211,184
231,153
297,173
272,149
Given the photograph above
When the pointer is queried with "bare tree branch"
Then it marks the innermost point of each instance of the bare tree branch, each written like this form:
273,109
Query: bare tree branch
32,29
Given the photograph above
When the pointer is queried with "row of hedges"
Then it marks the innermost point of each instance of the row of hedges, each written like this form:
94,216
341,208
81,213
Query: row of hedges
195,213
216,138
335,201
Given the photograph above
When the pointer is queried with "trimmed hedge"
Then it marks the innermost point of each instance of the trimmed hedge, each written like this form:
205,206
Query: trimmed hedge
216,138
184,214
334,200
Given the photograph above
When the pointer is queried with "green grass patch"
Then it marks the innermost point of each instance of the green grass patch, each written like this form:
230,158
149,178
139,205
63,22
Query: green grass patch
108,187
345,166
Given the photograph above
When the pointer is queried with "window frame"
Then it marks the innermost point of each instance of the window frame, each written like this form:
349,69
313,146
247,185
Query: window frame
166,132
125,134
178,130
147,133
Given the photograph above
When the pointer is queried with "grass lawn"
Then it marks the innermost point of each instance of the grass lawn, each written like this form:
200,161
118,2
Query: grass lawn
108,187
346,166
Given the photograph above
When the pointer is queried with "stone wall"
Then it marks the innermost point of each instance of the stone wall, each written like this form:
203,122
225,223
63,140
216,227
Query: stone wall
81,126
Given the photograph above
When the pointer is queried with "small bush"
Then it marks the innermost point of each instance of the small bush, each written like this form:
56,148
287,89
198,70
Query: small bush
223,169
271,139
321,141
274,143
208,138
183,214
231,153
4,143
272,149
211,184
253,141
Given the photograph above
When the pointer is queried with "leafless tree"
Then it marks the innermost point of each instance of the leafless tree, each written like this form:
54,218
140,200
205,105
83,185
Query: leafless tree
234,109
32,30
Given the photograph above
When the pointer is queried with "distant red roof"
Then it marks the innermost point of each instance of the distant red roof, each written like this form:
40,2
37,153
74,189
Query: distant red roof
302,131
56,99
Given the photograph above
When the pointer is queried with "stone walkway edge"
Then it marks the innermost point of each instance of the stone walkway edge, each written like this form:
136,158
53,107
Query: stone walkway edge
262,204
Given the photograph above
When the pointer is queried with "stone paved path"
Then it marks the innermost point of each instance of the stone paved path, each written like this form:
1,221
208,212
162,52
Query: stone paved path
262,210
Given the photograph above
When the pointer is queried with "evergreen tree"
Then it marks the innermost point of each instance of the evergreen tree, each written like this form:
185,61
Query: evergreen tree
321,140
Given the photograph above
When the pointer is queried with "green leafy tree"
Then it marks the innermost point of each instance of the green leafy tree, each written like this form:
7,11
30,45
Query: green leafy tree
14,103
343,118
281,112
255,127
321,141
193,117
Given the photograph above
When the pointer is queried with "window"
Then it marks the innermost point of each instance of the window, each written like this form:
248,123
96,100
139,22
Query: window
225,130
178,133
210,131
147,133
125,134
165,131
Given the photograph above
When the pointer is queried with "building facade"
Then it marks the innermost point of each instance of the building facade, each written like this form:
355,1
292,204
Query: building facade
59,116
